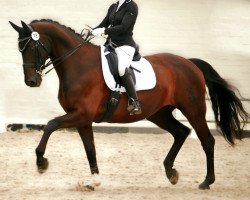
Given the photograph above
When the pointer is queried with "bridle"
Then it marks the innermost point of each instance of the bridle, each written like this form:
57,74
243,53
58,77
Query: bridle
39,63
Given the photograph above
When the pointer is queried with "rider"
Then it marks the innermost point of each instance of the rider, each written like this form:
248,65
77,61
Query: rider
118,25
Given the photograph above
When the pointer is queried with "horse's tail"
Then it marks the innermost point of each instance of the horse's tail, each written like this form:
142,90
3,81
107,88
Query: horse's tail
230,116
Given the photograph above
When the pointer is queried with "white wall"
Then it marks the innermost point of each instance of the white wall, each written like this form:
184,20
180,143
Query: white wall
217,31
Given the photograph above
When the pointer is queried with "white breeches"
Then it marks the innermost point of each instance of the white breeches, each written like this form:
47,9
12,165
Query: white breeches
125,56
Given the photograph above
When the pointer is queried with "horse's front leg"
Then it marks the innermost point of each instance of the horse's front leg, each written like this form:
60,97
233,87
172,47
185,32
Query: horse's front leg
66,121
87,137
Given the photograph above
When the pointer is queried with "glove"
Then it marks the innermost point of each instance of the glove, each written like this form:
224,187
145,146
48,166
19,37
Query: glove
98,31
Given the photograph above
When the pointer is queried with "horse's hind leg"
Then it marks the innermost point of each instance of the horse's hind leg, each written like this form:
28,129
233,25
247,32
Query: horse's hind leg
207,142
165,120
197,119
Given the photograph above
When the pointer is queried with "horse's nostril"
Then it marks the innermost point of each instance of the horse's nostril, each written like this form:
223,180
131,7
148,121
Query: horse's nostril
32,83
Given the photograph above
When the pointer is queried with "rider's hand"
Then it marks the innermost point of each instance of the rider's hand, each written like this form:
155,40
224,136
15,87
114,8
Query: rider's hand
98,31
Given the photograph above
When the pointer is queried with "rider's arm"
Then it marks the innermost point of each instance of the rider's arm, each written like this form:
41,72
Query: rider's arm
127,21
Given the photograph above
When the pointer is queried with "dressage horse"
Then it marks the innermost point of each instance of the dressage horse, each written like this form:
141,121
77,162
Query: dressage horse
83,94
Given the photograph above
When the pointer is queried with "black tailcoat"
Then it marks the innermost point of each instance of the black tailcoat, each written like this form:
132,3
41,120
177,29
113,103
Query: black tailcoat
119,25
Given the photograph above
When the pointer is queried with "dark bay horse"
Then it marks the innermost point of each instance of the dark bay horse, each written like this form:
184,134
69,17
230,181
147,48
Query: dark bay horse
83,94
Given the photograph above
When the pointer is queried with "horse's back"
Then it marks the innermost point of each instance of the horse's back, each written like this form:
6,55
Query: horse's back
182,80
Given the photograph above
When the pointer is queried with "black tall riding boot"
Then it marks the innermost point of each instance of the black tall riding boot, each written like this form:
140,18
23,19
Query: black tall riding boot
134,105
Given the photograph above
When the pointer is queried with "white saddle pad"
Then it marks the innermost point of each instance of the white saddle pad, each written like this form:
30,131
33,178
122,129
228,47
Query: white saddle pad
145,79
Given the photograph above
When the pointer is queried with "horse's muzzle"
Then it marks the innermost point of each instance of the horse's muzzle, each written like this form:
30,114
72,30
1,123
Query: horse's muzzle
34,81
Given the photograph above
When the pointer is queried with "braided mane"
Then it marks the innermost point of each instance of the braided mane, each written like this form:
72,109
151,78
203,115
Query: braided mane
85,38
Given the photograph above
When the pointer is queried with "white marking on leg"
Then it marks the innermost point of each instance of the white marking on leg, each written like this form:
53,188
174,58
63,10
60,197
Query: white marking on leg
193,134
96,180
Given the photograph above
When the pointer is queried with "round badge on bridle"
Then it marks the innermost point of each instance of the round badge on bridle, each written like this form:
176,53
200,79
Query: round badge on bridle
35,36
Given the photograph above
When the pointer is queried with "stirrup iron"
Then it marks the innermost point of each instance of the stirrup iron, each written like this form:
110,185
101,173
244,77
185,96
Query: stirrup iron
134,107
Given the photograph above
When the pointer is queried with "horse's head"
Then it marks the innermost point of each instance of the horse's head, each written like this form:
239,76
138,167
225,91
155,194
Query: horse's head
35,50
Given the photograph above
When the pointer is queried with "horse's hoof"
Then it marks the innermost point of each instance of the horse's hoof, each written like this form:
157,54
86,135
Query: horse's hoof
90,187
204,186
43,166
173,176
84,188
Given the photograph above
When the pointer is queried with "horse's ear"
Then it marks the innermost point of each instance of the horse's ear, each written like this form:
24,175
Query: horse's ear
25,26
17,28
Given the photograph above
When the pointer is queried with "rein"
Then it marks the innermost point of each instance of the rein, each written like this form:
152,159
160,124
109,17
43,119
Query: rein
62,58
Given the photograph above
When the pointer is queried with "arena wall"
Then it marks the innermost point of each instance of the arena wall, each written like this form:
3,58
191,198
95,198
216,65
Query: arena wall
217,31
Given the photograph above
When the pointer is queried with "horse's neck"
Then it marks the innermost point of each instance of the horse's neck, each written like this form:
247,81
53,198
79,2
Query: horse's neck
61,44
